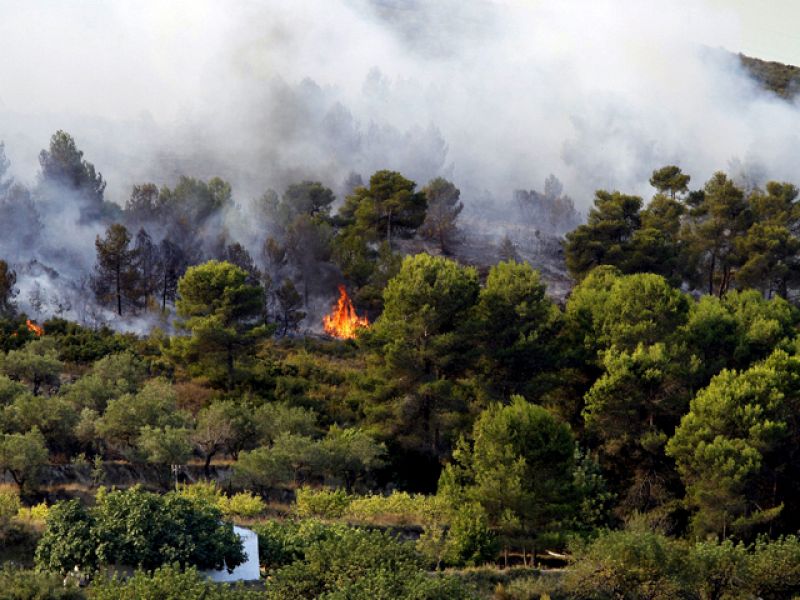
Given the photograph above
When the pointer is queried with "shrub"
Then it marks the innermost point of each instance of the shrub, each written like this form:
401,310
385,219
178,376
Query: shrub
244,504
137,528
324,504
34,515
775,568
23,584
9,507
280,543
359,560
167,583
398,508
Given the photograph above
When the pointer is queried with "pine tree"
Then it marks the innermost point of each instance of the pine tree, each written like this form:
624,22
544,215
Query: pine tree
114,276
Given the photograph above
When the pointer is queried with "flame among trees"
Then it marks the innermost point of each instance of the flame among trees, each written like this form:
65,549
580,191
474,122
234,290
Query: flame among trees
343,322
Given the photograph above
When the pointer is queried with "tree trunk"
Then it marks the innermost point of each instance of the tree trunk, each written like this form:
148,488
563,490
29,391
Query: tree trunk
230,366
119,291
389,229
207,464
711,275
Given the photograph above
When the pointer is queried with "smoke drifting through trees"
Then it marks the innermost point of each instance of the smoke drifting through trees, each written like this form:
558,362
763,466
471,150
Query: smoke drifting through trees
492,96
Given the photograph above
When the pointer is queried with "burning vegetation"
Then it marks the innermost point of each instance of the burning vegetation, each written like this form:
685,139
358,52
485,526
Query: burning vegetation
343,322
37,330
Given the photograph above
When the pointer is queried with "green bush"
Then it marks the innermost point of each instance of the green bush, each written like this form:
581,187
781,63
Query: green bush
358,564
9,507
137,528
243,504
775,568
280,543
23,584
323,504
167,583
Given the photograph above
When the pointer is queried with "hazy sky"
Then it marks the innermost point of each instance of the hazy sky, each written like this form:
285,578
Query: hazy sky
768,28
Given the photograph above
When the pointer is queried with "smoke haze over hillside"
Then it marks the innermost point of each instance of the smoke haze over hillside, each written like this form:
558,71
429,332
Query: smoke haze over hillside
496,95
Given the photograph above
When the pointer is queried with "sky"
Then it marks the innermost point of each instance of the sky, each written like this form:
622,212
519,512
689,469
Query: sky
767,28
495,94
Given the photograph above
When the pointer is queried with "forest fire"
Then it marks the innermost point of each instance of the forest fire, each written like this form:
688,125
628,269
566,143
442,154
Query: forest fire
343,322
36,329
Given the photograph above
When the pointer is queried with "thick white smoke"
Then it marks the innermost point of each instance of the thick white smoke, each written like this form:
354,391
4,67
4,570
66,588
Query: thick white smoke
495,95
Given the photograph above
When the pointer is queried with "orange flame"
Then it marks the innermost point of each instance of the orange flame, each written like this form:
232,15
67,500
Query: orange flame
343,322
36,329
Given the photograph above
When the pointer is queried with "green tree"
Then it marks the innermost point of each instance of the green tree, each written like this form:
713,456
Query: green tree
137,528
516,325
154,406
289,302
670,180
63,168
221,310
736,449
7,292
518,468
348,454
68,540
23,455
388,206
421,341
606,237
36,364
631,410
714,224
770,249
215,430
166,445
443,210
114,276
309,198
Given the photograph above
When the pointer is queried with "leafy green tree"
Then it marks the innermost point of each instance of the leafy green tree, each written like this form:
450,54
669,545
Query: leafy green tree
154,405
444,207
221,310
516,325
518,468
360,564
288,459
165,446
736,331
110,377
389,205
670,180
215,430
52,415
348,454
10,389
114,278
642,309
421,340
137,528
273,418
714,224
631,410
289,302
770,249
607,236
68,540
63,168
23,455
36,364
7,292
737,448
309,198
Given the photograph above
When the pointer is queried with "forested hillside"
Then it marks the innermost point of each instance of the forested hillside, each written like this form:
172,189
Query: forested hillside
643,432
